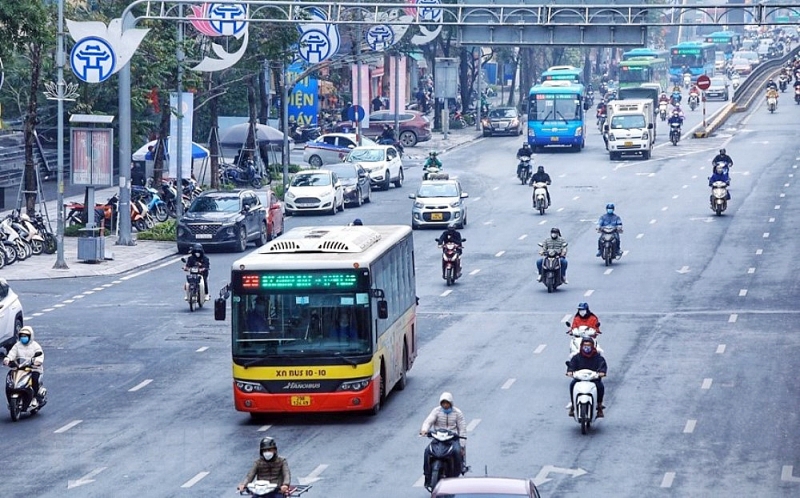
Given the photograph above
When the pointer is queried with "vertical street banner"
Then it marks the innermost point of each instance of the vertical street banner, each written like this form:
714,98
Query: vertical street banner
186,115
361,90
304,97
401,80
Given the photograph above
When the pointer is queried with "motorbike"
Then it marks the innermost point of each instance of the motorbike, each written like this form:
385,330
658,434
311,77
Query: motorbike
524,170
694,101
155,205
194,287
451,262
27,232
391,141
442,459
19,388
540,197
102,212
674,133
551,270
261,487
601,120
50,241
584,398
578,333
719,197
21,247
247,176
675,98
797,95
9,250
607,239
662,110
783,82
735,81
772,103
687,80
434,173
301,134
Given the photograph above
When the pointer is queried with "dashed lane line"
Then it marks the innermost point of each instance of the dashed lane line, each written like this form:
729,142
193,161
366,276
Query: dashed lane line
733,318
706,384
508,384
446,293
689,427
200,350
588,293
475,271
499,254
264,428
473,424
140,385
539,348
721,349
666,482
751,270
194,480
742,292
67,427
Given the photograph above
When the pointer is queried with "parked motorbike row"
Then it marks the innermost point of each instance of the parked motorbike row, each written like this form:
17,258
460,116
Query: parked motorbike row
22,237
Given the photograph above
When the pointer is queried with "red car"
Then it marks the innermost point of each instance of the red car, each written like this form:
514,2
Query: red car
494,487
414,126
274,212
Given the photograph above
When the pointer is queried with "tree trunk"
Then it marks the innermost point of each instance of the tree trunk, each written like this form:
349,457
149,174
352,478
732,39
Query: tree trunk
250,142
263,100
465,76
29,177
160,156
515,64
526,74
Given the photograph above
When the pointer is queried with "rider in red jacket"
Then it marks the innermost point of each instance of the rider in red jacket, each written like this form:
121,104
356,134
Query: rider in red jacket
584,317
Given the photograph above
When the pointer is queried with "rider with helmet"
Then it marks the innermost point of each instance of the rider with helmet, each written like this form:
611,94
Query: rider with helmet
589,358
432,161
25,349
446,416
676,118
610,219
524,151
269,467
771,85
585,318
541,177
451,235
720,175
556,242
198,258
724,158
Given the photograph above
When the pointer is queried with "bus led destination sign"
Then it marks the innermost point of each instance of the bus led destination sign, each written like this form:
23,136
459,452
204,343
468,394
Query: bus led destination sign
300,281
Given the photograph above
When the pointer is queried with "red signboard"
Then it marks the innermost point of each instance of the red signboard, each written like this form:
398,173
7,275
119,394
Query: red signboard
703,82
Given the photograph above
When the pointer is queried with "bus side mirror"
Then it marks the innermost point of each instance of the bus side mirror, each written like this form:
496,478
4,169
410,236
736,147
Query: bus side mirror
383,309
219,309
649,126
586,106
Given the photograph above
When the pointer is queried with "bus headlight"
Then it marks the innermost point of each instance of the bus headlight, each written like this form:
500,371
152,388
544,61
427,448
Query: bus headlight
354,385
250,387
579,131
531,133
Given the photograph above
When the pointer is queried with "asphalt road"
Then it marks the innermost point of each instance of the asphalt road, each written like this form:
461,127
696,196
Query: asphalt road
697,317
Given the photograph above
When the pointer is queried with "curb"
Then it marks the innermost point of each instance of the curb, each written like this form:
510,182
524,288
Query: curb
717,119
453,146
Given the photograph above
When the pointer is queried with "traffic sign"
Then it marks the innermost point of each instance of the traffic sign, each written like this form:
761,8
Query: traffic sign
703,82
356,113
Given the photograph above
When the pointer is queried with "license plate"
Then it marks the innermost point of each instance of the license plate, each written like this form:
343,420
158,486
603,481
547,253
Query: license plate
203,236
436,216
301,400
628,144
554,139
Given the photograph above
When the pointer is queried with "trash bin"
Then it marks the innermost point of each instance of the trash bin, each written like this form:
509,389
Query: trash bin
91,245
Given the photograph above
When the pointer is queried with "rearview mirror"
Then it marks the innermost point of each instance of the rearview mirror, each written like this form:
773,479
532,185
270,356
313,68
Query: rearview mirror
412,196
464,195
383,309
219,309
650,126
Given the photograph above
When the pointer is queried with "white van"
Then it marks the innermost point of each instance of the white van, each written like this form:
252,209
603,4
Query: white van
630,128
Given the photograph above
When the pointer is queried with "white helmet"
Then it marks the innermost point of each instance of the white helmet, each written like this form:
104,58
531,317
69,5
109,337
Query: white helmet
446,397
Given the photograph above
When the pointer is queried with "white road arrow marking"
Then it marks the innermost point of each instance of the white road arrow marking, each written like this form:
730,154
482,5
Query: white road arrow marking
684,270
88,478
542,478
314,475
786,474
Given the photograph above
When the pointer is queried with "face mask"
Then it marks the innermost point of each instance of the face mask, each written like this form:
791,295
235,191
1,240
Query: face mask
554,236
447,411
587,350
583,312
197,255
24,339
268,455
610,211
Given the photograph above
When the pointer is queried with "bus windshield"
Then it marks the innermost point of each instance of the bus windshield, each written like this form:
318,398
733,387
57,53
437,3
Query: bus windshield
558,107
634,74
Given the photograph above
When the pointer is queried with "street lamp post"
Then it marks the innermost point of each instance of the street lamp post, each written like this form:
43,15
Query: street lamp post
60,263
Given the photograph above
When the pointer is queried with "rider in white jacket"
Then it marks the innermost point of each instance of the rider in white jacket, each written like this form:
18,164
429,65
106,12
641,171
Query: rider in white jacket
24,349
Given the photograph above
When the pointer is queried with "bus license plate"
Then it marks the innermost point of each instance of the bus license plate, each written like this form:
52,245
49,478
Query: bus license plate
628,144
436,217
301,400
554,139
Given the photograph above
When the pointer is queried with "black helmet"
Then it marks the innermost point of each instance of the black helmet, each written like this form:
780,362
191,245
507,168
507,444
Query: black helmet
540,169
556,231
197,248
588,339
610,206
525,145
722,151
268,444
357,222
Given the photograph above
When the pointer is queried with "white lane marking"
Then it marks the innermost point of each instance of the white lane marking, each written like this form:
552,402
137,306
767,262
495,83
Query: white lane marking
733,318
608,272
720,349
313,476
37,314
117,282
473,424
559,210
200,350
446,293
787,474
48,309
499,254
706,384
523,236
751,270
640,236
476,199
475,271
78,297
742,292
771,220
488,222
539,348
59,305
495,188
264,428
689,427
652,221
588,293
766,235
694,176
107,285
782,195
785,184
665,208
625,253
88,293
562,175
543,222
791,175
419,482
162,265
98,289
67,427
603,177
777,206
508,383
685,186
68,301
576,198
140,385
567,318
194,480
87,479
759,251
666,482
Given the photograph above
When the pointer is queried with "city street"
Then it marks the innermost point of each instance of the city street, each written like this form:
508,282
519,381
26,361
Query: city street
697,331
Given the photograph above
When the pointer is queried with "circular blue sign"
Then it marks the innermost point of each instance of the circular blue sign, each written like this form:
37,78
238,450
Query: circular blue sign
356,113
92,59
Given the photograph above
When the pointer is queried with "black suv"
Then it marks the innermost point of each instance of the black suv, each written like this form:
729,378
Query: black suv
223,218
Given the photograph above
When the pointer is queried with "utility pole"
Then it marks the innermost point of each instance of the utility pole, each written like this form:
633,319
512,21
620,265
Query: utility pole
124,99
179,110
60,263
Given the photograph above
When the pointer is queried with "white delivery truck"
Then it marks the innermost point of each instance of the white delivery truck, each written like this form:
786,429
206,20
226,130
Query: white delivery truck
630,128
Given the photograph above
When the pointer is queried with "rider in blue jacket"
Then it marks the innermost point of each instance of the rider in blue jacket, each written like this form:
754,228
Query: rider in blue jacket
610,219
720,175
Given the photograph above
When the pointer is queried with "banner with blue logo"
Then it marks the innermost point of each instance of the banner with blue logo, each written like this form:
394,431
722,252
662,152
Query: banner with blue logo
304,98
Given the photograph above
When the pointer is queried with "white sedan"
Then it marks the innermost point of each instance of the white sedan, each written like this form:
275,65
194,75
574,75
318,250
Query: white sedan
382,162
331,148
314,190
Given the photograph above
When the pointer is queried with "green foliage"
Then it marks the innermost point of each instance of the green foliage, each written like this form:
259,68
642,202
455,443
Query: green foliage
162,231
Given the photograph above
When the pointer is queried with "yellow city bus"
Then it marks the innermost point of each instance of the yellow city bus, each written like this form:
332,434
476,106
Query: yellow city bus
323,319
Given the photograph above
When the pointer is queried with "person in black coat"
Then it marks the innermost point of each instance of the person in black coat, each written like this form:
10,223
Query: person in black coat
588,359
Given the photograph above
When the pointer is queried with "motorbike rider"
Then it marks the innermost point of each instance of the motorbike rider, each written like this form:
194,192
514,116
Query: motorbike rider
722,157
198,258
25,349
451,235
585,318
432,161
446,416
609,219
541,177
773,93
771,85
663,98
387,134
524,151
720,175
269,467
588,359
676,118
555,241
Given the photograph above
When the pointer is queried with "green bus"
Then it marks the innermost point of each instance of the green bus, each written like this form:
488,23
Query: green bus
635,72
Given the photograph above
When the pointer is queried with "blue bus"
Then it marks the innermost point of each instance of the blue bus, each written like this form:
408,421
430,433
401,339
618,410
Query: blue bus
727,42
698,57
563,73
556,115
645,54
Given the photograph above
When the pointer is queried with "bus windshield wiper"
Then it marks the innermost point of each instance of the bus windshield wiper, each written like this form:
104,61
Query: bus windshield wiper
562,117
548,115
347,360
257,362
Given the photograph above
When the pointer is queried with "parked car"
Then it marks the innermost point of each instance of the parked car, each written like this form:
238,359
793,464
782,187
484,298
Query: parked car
229,219
719,88
741,66
331,148
437,203
494,487
355,182
382,162
315,190
11,314
275,212
414,126
502,120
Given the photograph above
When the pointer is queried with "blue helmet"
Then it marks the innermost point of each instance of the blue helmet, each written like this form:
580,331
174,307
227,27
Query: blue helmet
583,306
